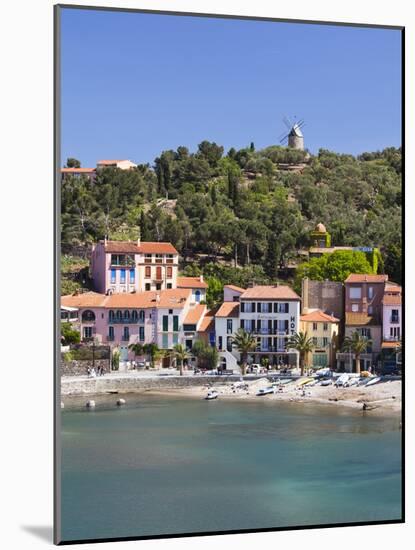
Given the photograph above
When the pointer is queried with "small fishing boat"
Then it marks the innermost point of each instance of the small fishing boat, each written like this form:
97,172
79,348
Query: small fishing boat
326,383
342,380
212,394
372,381
353,381
265,391
305,381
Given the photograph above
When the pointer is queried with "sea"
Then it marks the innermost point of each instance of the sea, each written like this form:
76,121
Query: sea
165,465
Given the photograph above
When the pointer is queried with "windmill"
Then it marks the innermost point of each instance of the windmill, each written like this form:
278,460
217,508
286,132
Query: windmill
294,137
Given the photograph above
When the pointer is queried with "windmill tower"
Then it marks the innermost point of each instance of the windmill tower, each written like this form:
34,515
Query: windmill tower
294,138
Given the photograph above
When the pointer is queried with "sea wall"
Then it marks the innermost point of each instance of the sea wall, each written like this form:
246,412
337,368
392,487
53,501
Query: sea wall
112,383
79,368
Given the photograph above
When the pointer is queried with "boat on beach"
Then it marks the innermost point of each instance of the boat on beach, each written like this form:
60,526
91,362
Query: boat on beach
373,381
326,382
266,391
342,380
306,381
212,394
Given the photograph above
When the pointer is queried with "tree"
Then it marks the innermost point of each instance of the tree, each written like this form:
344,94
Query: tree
198,350
214,291
73,163
356,344
69,335
180,354
136,348
272,258
244,342
303,344
153,351
211,152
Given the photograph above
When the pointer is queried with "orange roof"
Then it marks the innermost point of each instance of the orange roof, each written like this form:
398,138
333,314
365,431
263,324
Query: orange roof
77,170
392,300
169,298
208,323
110,162
235,288
390,344
319,316
131,247
277,292
228,309
84,299
360,319
191,282
392,287
366,278
194,315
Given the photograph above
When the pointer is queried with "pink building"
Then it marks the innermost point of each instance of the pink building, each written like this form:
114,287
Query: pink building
167,318
392,313
232,293
127,266
78,172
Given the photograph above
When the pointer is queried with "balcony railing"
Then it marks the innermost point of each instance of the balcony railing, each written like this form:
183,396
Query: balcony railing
125,338
271,349
394,319
263,331
391,338
124,321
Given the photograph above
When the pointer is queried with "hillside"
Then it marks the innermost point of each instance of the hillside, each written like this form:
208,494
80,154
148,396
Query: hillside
249,208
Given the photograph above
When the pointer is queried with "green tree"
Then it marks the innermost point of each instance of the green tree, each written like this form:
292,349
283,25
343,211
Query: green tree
137,349
303,344
73,163
180,355
214,291
244,342
356,344
153,352
69,335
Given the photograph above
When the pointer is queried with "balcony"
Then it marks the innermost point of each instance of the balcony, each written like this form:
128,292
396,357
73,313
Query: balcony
110,338
391,338
394,319
124,321
125,338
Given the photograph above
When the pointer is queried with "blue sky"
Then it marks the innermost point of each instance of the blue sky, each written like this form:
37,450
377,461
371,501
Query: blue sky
136,84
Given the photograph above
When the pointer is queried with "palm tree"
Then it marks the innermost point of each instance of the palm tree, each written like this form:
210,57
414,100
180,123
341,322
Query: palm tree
244,342
152,351
180,354
136,348
356,344
303,344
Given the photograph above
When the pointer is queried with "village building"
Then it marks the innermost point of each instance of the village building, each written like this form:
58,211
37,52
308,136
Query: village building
324,331
197,285
121,164
89,173
392,325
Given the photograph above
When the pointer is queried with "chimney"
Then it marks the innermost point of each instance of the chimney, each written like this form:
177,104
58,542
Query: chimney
304,294
201,278
139,241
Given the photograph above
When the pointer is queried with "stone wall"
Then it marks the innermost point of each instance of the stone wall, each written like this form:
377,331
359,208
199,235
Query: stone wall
79,368
135,383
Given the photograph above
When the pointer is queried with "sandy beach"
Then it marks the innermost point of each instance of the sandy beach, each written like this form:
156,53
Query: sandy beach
381,398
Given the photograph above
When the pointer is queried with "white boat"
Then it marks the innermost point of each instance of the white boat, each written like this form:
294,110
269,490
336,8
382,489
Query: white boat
326,383
342,380
373,381
212,394
353,381
265,391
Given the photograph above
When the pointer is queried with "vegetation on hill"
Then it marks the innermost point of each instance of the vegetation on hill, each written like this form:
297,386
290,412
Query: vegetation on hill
251,209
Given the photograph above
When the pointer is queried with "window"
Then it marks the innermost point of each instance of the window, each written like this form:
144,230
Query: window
281,307
242,307
87,332
370,310
88,316
122,276
111,316
325,341
141,334
110,334
355,292
126,315
175,323
370,292
165,341
169,285
119,315
169,272
132,276
175,339
220,343
147,272
355,308
134,316
141,316
158,286
197,295
365,332
229,343
395,316
170,312
314,326
325,327
113,276
165,323
126,334
229,326
269,307
315,341
243,323
158,273
148,286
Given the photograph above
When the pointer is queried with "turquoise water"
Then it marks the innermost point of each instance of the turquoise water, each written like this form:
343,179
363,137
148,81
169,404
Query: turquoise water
165,465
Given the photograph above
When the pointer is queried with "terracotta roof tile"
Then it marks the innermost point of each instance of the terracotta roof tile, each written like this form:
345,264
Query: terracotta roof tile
191,282
360,319
366,278
319,316
235,288
392,300
131,247
194,315
228,309
84,299
77,170
390,344
170,298
280,292
207,324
